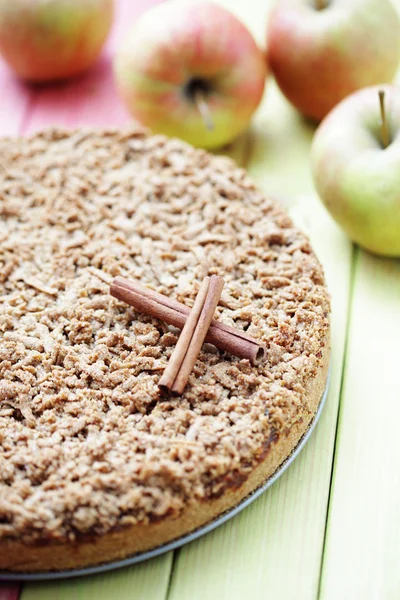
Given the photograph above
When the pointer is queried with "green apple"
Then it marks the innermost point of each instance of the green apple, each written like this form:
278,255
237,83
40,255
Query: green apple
320,51
191,71
45,40
355,160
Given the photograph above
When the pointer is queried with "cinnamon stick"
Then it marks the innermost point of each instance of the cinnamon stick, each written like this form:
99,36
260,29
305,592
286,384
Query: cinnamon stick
169,376
192,337
175,313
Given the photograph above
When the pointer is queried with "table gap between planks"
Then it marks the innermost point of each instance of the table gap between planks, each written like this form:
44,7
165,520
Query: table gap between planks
329,528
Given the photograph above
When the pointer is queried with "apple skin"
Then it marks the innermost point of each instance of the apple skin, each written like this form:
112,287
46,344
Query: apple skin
357,178
46,40
319,57
174,46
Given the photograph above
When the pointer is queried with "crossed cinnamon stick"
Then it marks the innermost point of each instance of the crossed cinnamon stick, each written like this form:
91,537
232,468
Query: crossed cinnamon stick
197,326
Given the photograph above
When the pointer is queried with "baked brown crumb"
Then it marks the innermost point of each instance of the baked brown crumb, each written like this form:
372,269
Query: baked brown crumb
86,442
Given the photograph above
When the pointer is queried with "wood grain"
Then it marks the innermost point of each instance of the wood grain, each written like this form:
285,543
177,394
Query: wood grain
363,537
362,548
15,102
145,581
9,592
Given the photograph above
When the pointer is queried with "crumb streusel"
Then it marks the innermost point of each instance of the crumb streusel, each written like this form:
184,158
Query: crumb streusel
86,443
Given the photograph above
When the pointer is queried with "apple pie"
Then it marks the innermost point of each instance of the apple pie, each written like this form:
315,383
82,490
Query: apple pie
95,464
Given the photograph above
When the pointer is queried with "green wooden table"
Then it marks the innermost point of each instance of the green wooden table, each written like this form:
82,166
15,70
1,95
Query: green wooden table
330,527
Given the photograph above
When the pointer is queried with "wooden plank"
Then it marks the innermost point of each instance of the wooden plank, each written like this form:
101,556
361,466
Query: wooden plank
9,592
363,532
252,555
15,100
146,581
363,538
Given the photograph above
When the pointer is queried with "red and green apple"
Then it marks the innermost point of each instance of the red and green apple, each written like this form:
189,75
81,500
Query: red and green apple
355,160
45,40
320,51
191,71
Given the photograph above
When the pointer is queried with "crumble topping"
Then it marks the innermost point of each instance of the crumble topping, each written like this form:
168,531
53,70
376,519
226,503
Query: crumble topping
86,442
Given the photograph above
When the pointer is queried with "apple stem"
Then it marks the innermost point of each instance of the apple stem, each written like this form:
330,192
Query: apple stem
384,124
202,106
320,4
